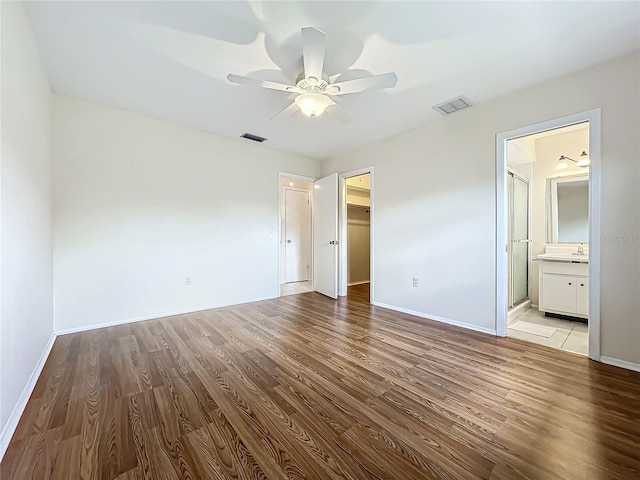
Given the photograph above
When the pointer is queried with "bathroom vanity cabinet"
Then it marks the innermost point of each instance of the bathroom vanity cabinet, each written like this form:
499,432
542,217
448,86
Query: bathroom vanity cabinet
564,286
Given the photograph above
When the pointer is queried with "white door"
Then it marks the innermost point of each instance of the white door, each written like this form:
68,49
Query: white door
296,235
325,236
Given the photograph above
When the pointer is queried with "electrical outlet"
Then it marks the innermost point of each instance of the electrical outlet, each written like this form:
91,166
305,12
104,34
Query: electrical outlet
187,280
416,282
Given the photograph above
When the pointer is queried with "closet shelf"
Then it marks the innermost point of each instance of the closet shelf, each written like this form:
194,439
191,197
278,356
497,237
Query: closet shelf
358,189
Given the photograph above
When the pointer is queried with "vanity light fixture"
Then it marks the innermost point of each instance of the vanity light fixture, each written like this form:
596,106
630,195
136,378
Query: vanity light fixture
583,161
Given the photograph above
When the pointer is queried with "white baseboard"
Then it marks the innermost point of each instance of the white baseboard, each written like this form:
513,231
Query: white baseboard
490,331
358,283
155,316
620,363
12,423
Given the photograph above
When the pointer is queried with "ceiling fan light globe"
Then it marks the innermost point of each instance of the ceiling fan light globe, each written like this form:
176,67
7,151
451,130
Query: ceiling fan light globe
312,104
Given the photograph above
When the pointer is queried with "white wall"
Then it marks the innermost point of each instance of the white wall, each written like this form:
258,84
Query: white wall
26,316
140,203
436,204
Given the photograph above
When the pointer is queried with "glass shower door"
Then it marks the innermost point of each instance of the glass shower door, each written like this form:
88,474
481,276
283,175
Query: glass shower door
518,239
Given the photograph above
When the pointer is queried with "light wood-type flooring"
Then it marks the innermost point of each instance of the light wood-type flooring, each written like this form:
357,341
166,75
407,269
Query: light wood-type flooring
308,387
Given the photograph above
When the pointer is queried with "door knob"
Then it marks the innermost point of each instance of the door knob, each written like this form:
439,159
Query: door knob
288,241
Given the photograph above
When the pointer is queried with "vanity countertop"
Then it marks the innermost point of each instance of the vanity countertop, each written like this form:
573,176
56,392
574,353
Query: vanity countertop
563,257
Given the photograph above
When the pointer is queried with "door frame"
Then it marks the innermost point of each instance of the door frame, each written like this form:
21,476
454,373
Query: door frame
594,118
309,239
304,178
343,255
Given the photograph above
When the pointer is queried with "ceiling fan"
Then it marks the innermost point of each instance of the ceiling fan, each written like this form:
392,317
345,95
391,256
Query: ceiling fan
313,87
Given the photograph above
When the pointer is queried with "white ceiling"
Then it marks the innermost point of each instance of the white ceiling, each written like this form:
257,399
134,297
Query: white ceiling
170,59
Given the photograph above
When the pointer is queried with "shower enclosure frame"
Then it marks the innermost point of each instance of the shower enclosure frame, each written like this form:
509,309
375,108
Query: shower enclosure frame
513,242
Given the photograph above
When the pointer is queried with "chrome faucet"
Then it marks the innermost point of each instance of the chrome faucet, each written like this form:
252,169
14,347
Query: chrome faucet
580,250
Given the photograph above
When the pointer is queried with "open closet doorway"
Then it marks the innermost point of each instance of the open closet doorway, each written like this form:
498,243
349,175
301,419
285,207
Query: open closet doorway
295,234
356,252
549,220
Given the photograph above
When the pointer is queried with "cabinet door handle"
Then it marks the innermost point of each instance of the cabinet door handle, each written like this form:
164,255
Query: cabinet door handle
569,283
582,284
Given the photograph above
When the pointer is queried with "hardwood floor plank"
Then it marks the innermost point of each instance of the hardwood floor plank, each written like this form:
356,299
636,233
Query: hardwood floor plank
267,450
300,449
307,387
385,459
221,452
68,462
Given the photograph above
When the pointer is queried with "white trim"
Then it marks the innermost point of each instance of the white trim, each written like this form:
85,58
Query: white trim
448,321
594,119
620,363
595,234
292,176
342,215
358,283
12,422
155,316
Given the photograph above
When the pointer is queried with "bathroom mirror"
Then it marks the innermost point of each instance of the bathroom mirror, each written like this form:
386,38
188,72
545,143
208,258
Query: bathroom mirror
568,209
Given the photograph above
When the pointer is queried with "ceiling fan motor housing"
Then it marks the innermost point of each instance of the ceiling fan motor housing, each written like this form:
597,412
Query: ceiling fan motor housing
312,82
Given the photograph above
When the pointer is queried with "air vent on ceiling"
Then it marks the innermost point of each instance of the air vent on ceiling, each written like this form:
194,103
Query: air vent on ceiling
255,138
453,105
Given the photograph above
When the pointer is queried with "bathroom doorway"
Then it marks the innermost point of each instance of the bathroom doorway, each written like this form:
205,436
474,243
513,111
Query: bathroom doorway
548,227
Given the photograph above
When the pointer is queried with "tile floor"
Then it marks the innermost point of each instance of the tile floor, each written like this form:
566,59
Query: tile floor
563,334
294,288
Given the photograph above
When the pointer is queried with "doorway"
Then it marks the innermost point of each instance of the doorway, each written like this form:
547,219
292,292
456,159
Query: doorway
356,252
329,255
358,190
295,235
548,284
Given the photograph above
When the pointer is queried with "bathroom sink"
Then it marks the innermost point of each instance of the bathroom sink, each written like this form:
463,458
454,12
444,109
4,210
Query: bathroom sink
563,257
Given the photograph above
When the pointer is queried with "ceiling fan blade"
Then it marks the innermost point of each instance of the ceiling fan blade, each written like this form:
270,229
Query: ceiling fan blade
385,80
256,82
288,110
313,45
